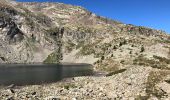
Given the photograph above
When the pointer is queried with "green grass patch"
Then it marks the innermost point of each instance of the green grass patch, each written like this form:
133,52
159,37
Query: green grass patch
53,58
116,72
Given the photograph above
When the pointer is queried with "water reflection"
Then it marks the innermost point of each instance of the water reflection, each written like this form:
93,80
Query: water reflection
21,74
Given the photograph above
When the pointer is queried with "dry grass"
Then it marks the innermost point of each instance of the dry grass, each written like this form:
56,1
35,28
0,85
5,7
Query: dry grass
5,4
116,72
154,78
108,65
157,62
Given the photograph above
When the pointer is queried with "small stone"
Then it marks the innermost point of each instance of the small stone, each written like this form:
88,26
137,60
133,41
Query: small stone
101,88
52,98
90,90
128,81
11,86
102,94
114,95
56,99
61,90
27,96
6,95
132,76
12,91
34,93
11,98
73,79
74,99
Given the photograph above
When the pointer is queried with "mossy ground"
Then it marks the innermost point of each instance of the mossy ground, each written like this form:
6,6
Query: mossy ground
52,58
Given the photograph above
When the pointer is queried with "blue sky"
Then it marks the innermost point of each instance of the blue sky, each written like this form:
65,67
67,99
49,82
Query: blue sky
150,13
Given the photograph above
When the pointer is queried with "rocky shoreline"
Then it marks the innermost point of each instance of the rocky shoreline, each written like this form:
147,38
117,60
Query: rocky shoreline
128,85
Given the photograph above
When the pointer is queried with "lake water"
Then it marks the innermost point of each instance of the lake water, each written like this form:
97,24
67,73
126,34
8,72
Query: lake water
21,74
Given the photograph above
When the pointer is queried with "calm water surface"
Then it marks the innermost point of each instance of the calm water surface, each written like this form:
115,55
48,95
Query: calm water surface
21,74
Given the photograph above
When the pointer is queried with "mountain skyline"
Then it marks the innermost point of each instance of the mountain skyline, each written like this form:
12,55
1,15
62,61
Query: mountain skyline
153,14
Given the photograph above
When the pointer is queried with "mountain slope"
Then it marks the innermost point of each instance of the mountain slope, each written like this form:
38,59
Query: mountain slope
136,58
41,23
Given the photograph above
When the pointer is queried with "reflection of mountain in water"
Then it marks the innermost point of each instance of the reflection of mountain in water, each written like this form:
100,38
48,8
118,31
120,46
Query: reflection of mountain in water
36,74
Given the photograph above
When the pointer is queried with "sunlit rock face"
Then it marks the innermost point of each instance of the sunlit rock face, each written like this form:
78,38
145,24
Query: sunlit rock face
59,33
